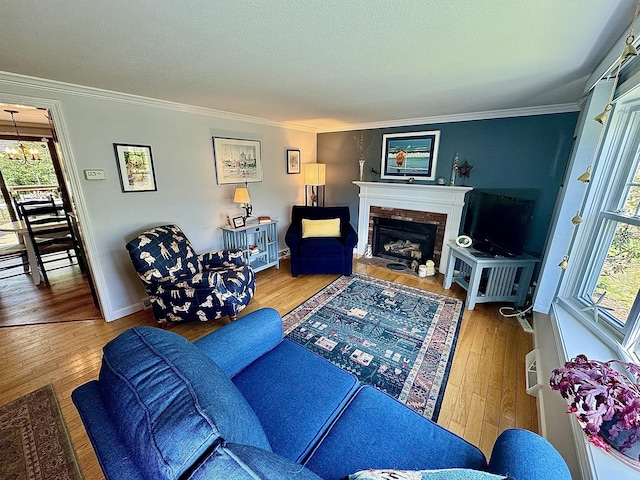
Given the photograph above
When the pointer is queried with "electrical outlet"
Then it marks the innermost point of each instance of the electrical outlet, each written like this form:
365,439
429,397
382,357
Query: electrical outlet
146,303
284,253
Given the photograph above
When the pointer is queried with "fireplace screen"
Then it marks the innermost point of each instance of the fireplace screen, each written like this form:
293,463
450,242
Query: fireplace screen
405,242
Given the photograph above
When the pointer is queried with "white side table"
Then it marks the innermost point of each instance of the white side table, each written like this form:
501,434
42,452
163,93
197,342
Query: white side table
489,278
258,242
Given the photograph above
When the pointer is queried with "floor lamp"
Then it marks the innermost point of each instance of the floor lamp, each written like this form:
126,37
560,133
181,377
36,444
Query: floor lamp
314,176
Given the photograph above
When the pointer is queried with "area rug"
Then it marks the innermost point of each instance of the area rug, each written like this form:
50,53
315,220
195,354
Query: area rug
34,442
397,338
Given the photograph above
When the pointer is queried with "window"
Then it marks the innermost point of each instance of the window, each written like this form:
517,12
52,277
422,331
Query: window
606,251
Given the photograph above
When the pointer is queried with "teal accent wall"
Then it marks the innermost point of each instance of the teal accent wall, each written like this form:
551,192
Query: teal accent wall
525,156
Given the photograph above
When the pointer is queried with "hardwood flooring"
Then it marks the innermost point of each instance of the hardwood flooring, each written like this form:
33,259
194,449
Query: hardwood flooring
485,393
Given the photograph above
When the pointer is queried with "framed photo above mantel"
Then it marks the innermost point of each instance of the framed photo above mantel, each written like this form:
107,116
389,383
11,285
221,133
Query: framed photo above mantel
135,167
410,155
237,160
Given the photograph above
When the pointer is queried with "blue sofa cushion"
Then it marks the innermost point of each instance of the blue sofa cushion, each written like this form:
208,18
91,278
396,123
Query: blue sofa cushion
243,462
296,394
322,247
170,402
376,431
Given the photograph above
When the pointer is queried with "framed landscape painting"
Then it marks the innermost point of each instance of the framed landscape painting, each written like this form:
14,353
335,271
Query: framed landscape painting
135,167
237,160
410,155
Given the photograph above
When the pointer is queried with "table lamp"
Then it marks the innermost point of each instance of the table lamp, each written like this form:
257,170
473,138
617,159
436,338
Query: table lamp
241,196
314,176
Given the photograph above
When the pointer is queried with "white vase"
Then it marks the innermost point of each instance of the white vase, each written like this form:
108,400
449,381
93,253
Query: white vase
361,162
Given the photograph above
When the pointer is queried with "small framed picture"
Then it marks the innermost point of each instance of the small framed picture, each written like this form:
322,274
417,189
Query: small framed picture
293,161
238,222
135,167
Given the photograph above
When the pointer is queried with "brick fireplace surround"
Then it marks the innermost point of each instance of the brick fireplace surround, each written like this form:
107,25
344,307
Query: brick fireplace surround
437,204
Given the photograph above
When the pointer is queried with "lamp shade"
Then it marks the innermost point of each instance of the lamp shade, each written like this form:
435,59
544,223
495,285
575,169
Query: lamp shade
313,173
241,195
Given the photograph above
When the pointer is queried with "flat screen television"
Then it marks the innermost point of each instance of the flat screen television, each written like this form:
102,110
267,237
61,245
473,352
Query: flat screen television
498,224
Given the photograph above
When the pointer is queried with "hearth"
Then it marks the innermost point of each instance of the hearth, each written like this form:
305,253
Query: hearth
431,204
406,242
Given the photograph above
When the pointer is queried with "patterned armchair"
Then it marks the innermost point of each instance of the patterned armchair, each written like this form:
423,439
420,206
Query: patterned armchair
185,286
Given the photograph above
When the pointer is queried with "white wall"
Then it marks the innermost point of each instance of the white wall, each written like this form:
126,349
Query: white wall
89,122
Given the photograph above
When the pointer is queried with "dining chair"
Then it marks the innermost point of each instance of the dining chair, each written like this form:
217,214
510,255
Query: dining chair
13,255
50,231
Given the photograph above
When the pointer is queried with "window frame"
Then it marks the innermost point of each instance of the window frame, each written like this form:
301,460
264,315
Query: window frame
612,173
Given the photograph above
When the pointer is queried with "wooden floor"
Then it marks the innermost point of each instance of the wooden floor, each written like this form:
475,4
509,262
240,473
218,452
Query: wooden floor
485,393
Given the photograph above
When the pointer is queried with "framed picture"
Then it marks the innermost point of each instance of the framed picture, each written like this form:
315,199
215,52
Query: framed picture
410,154
237,161
135,167
293,161
238,222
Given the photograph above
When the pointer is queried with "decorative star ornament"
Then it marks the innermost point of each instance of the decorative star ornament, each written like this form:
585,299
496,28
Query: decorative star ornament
465,169
595,307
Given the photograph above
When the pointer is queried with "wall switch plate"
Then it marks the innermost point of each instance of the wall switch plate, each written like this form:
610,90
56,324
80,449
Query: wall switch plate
94,175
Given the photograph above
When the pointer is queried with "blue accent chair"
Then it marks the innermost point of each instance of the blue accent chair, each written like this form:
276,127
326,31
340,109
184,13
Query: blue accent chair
183,285
321,255
244,403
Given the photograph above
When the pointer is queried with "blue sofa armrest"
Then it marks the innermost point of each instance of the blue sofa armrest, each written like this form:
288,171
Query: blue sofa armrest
293,237
241,342
524,455
349,236
114,457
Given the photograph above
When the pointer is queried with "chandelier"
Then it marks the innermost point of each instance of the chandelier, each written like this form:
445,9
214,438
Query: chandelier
21,153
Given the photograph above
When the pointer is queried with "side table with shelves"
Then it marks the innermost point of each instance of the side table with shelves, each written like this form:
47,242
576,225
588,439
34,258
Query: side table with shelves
487,277
258,242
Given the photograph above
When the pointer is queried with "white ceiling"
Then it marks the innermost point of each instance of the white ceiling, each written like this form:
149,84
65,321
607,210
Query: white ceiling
324,64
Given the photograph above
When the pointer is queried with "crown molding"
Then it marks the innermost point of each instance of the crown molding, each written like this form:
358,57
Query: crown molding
43,84
461,117
47,85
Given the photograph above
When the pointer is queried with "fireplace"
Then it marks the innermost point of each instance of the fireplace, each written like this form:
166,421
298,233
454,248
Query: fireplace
414,203
405,242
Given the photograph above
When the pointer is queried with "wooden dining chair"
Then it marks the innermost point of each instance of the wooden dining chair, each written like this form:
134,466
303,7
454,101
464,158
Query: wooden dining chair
50,231
13,256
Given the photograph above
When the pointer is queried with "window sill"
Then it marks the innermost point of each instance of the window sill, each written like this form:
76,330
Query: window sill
573,338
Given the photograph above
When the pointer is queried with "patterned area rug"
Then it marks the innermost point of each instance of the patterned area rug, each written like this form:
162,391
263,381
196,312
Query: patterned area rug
34,442
397,338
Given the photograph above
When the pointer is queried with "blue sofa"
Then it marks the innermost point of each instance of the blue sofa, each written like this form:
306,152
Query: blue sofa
244,403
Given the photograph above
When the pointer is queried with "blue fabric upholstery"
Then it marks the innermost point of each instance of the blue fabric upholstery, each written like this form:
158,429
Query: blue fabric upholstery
242,462
321,255
163,409
305,405
170,402
239,343
376,431
185,286
512,456
115,459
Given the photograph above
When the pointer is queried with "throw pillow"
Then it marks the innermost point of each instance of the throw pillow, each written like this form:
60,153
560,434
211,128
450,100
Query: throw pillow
329,227
442,474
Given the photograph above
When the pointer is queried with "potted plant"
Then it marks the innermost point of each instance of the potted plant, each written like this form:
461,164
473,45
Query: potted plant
605,399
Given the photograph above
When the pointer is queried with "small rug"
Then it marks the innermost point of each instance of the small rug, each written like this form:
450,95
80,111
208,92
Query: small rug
397,338
34,442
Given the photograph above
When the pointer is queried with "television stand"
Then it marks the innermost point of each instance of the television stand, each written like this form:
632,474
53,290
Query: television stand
488,278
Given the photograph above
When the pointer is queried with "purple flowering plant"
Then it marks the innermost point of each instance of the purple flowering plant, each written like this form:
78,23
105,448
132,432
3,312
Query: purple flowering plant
597,393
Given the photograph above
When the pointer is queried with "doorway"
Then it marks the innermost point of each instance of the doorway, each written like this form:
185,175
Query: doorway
31,168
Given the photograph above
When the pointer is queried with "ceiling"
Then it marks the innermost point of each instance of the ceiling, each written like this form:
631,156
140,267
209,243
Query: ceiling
326,65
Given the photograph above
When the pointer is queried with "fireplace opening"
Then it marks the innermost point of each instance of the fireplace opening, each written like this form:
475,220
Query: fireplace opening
405,242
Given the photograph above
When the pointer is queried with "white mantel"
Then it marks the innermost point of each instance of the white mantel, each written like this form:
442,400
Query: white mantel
410,196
